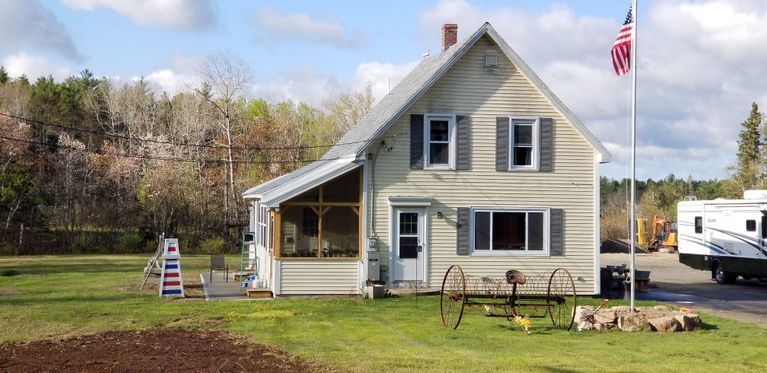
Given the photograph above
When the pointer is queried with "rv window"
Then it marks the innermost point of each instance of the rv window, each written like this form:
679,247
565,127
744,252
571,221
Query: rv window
764,226
698,224
751,225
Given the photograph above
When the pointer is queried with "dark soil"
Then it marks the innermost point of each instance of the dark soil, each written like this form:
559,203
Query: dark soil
157,350
619,247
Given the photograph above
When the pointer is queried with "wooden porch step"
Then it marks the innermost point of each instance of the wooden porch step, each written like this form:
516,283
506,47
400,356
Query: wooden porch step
240,276
259,293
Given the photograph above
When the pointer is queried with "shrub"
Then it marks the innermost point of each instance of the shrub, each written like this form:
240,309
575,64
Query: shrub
81,244
213,245
129,242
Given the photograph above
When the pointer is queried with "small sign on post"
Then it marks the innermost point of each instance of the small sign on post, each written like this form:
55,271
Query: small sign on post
171,282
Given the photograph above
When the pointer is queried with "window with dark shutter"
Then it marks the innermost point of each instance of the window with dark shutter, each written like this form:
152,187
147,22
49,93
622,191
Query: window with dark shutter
462,231
557,232
546,163
524,144
502,143
416,141
463,148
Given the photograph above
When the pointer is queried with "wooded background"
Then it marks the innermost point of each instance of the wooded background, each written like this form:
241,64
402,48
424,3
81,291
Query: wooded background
94,165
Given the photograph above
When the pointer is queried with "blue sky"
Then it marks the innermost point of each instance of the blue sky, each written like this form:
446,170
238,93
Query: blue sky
698,65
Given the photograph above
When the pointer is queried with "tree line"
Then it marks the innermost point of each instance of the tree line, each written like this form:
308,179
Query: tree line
97,165
660,197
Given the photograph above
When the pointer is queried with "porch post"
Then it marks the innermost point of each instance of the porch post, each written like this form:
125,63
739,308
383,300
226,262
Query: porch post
277,237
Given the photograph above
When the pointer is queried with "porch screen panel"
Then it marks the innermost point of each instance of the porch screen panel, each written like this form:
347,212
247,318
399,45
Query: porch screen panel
343,189
298,232
340,233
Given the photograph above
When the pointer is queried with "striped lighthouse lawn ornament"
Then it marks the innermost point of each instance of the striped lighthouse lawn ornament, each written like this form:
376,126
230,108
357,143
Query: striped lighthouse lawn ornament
171,282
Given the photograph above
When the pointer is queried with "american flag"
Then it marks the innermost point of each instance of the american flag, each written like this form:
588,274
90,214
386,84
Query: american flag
621,51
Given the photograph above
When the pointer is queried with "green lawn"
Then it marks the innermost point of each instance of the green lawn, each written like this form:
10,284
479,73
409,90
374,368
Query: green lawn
59,296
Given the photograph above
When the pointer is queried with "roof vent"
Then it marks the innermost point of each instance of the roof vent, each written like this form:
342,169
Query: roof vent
491,60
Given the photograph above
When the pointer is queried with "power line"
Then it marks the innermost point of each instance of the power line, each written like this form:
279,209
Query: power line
217,146
170,159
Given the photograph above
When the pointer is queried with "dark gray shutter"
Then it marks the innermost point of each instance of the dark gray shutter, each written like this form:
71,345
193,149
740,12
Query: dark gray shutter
547,145
557,231
502,143
463,158
416,141
462,231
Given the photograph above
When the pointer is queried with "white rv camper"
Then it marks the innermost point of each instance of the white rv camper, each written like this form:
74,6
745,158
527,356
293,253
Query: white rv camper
725,236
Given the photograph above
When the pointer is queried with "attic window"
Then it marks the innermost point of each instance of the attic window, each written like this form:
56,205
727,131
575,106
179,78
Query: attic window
491,60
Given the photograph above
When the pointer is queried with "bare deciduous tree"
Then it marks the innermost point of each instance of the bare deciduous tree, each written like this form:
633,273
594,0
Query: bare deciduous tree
225,80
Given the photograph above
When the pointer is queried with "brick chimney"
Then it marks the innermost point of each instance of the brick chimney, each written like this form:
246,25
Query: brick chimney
449,35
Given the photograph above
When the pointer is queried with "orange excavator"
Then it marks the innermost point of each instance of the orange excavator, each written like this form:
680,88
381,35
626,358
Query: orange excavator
663,233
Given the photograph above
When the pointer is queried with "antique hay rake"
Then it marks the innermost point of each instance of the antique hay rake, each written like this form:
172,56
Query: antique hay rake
515,295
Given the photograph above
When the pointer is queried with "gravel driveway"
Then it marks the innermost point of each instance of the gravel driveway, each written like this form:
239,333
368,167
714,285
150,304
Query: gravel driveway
673,282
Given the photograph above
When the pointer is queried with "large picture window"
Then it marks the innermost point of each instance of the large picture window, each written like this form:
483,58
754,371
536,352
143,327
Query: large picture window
439,141
523,152
510,231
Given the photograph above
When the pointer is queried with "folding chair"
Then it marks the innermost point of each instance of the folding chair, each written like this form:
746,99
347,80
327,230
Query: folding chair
219,262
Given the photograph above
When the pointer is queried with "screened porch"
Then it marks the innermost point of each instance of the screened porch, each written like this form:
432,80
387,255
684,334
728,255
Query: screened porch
322,223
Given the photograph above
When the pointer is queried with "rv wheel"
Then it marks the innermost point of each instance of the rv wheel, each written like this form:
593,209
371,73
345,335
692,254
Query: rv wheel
721,276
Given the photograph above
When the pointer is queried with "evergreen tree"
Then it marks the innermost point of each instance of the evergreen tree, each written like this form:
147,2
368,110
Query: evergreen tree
747,171
3,75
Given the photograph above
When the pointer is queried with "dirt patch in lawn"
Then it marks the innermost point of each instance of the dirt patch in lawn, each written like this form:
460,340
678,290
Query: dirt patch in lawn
8,292
151,351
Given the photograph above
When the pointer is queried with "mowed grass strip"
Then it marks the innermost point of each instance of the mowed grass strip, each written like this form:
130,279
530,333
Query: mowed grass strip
60,296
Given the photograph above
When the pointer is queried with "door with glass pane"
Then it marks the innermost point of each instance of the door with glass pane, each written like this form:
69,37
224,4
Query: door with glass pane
408,248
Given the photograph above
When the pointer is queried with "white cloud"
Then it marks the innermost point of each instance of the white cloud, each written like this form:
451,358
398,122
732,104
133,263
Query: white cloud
307,84
381,76
701,64
300,84
281,26
179,14
181,74
29,24
33,67
169,81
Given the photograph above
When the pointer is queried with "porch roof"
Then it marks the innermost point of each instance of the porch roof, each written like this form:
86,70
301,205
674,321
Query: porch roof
285,187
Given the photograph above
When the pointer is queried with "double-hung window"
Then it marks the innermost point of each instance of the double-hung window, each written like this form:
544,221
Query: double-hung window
510,231
439,141
524,149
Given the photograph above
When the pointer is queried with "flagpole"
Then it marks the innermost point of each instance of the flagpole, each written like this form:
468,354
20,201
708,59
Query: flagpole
633,148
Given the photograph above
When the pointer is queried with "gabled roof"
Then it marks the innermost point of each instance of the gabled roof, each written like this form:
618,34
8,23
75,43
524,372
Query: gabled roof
421,79
373,125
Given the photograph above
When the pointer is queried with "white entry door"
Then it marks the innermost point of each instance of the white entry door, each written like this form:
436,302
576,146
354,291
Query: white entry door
409,248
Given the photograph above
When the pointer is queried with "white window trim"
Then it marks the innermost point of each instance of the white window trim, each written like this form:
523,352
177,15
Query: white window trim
535,166
262,225
451,134
546,231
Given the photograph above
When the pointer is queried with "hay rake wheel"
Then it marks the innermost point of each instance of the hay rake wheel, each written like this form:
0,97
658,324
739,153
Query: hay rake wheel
561,298
452,298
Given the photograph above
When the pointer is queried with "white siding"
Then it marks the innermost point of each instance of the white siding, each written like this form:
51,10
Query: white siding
469,89
317,277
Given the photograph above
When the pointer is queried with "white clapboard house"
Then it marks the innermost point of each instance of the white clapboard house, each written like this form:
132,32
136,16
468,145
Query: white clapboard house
471,159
